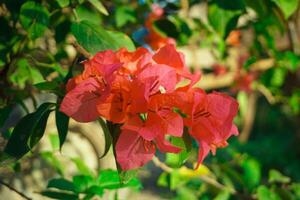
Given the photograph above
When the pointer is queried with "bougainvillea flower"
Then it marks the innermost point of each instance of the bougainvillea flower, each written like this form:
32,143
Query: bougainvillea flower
133,151
93,84
139,91
211,122
80,102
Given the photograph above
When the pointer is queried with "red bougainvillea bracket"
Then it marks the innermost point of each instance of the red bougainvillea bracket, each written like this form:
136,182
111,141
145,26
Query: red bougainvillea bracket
140,91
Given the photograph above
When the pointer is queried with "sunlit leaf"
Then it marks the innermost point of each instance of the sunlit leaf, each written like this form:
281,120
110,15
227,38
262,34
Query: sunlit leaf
95,38
287,7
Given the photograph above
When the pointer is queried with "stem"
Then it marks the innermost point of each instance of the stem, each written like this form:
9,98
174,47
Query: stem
81,50
15,190
249,118
204,178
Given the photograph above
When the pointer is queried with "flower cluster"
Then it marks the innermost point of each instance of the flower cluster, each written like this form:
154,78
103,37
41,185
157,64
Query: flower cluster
140,90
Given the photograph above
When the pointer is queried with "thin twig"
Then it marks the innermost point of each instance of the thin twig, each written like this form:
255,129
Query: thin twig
81,50
15,190
204,178
249,118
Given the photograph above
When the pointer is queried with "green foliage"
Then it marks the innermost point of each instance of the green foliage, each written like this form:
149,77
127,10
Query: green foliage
28,131
287,7
96,39
34,18
223,20
62,124
87,185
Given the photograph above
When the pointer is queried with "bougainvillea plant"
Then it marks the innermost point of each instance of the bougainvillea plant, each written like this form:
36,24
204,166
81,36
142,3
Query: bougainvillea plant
142,94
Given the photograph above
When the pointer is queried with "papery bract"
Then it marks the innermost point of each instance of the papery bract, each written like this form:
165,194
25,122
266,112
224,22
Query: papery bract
139,91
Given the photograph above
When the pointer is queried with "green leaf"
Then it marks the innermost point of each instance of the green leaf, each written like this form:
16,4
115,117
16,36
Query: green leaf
28,131
276,176
24,73
85,13
124,14
166,28
242,98
95,190
222,20
185,193
223,195
127,176
34,18
48,85
177,160
95,39
59,195
288,7
109,179
82,167
62,125
61,184
99,6
53,161
107,136
83,182
263,193
54,140
63,3
252,173
122,40
278,76
296,189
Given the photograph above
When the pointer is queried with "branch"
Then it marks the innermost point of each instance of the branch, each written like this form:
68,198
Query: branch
249,118
81,50
211,81
204,178
16,191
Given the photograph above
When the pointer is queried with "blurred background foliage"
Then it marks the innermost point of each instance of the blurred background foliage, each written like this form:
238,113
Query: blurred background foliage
247,48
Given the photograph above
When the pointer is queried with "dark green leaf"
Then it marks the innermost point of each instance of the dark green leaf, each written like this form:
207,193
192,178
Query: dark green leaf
59,195
28,131
166,28
49,86
95,190
62,124
34,18
107,136
4,113
62,184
